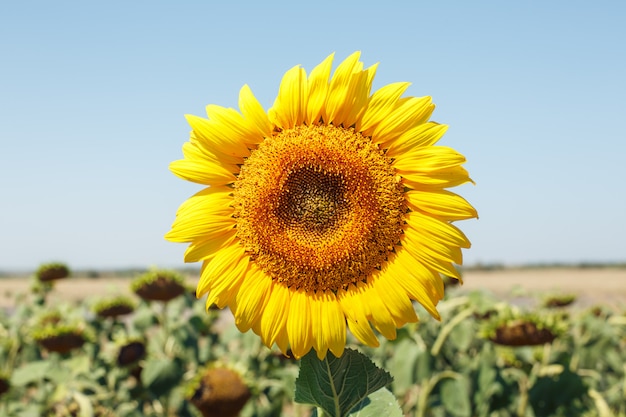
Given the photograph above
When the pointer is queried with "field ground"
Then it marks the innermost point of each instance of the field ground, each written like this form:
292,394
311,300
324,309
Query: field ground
521,286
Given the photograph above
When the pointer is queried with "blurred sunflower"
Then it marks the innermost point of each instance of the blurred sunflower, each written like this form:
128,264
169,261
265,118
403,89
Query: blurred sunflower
331,208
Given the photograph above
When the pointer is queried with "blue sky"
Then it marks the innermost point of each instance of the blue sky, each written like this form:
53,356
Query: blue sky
93,94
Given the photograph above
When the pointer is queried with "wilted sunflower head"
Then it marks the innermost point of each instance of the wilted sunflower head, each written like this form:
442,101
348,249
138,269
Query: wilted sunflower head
330,208
218,391
512,327
62,338
114,307
52,271
159,285
130,352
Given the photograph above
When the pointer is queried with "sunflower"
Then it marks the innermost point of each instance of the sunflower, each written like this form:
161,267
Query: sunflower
328,210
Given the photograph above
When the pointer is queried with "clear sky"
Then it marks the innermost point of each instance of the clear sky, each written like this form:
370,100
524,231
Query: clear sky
93,97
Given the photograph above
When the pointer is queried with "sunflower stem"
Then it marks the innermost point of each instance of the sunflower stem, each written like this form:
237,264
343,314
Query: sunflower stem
164,324
445,331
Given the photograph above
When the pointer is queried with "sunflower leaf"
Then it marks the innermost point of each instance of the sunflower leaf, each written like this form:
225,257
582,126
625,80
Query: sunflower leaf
338,385
379,403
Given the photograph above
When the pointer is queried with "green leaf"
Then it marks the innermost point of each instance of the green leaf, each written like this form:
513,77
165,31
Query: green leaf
455,397
78,365
337,385
402,365
59,374
161,375
377,404
29,373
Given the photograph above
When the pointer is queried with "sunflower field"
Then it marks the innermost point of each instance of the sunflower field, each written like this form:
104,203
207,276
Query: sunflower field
157,352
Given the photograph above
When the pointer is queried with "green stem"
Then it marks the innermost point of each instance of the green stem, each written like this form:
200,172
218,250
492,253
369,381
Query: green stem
428,386
164,324
523,400
443,334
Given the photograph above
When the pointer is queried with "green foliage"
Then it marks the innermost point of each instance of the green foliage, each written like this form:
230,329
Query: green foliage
447,368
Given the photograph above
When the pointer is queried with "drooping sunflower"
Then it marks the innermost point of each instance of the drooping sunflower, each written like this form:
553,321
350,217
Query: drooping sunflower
328,210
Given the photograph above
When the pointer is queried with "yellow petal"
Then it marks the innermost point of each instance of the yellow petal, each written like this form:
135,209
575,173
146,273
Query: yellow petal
409,113
251,299
210,152
356,98
441,203
431,158
256,119
424,245
230,123
274,319
202,172
205,215
222,267
353,307
380,105
299,323
225,285
396,300
318,89
328,324
194,152
212,200
378,313
339,86
436,229
200,250
443,178
289,109
421,284
282,341
426,134
215,135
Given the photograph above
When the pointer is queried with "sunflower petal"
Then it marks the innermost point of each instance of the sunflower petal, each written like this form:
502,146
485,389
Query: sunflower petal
256,119
421,284
276,312
329,326
225,285
299,324
212,135
289,109
422,135
226,265
357,97
200,250
409,113
379,314
436,229
429,159
205,215
441,203
424,245
251,299
356,313
318,89
380,105
443,178
202,172
339,86
396,300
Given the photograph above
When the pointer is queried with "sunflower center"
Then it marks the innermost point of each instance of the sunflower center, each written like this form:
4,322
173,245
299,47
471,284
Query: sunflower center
312,201
318,207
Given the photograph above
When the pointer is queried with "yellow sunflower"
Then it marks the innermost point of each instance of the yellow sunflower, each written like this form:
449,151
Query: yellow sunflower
329,209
